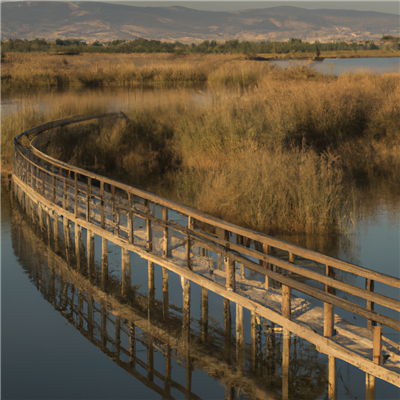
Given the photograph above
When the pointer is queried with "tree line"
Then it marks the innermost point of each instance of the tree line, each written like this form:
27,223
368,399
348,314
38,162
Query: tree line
142,45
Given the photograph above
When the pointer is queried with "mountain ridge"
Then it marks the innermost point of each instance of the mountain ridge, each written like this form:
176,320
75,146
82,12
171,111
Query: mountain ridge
105,22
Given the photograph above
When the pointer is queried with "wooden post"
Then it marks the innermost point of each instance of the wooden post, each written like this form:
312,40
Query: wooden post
65,200
230,274
148,229
54,185
239,240
165,295
286,300
377,350
266,265
76,194
90,255
113,210
130,220
165,233
369,387
104,264
228,331
190,227
78,239
291,257
126,271
186,313
370,305
253,333
55,229
328,309
132,346
239,337
285,363
48,223
204,314
67,238
102,217
88,199
332,378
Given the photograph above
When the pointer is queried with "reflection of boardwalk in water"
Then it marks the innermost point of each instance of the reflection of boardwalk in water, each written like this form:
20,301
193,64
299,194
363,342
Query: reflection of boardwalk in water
130,327
248,269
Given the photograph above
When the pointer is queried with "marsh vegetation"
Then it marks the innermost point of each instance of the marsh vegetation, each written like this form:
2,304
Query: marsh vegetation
279,151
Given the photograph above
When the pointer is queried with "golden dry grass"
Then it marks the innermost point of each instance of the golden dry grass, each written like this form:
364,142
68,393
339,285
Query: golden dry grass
274,150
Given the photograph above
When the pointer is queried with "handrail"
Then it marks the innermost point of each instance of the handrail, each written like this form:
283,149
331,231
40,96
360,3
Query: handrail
198,215
118,199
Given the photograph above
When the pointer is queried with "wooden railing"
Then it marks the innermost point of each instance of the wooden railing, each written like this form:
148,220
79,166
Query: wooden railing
109,208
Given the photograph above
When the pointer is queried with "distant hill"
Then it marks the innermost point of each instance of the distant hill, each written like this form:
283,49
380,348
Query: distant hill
92,21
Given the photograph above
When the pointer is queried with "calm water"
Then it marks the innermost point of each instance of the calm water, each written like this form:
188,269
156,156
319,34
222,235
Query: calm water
341,66
46,354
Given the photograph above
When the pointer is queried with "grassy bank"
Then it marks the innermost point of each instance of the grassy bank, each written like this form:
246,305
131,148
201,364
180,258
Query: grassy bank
40,70
279,151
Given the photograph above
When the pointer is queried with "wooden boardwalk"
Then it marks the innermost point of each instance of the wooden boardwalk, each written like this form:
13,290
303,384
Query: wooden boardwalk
255,271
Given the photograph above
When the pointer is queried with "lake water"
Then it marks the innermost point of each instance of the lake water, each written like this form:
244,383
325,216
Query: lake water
46,353
341,66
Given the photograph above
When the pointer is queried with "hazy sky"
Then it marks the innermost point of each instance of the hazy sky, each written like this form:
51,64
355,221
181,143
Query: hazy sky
387,6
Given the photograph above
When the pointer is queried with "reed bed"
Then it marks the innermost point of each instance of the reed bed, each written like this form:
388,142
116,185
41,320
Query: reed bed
279,151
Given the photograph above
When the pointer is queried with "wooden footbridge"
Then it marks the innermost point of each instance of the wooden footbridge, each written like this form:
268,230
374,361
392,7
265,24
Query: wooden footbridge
250,270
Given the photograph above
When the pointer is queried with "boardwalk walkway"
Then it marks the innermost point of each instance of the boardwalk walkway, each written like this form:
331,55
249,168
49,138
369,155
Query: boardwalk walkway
295,288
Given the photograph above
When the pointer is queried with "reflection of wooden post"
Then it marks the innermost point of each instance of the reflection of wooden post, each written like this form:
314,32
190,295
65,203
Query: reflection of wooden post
90,255
103,326
253,342
165,233
228,331
188,376
332,378
370,305
328,308
90,314
165,295
150,359
229,392
102,200
167,378
369,387
285,363
239,337
204,314
377,349
126,271
286,299
132,346
88,199
117,336
80,309
104,264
